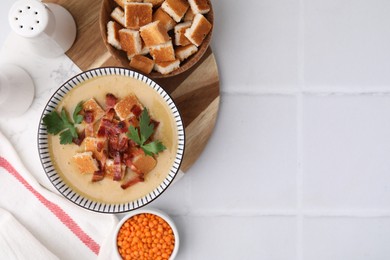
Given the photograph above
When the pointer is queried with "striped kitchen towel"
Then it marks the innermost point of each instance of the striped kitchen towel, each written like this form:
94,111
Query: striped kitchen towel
38,224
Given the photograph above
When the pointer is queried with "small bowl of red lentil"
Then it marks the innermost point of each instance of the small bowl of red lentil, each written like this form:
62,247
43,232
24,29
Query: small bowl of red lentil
146,234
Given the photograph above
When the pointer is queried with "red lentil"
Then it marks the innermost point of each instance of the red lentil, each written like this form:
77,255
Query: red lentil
145,236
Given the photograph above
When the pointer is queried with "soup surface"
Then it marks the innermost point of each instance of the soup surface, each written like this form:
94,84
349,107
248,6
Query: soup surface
107,190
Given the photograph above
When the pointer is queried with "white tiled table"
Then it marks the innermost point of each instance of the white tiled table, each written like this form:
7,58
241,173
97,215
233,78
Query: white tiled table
299,164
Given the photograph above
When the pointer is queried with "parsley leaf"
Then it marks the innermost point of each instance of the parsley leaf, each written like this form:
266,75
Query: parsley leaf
153,148
53,123
146,130
60,124
69,125
66,137
133,135
77,119
145,126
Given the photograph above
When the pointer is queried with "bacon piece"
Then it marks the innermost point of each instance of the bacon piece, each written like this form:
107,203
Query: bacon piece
98,176
89,117
117,143
100,145
110,101
117,167
123,144
79,139
133,121
127,160
107,128
102,132
122,127
155,123
110,114
136,110
132,182
113,145
103,160
132,143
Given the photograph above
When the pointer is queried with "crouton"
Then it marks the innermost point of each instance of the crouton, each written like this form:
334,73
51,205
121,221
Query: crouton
175,8
113,34
142,63
85,162
164,18
130,41
189,16
144,163
163,52
137,15
199,6
123,108
183,52
199,29
122,3
119,16
154,34
166,67
154,2
180,29
93,107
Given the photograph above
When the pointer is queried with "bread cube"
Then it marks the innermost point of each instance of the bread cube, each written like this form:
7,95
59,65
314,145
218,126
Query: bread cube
142,63
166,67
137,15
92,106
119,16
123,108
154,2
113,34
164,18
130,41
85,162
183,52
122,3
189,16
180,38
144,163
199,29
163,52
154,34
175,8
91,145
199,6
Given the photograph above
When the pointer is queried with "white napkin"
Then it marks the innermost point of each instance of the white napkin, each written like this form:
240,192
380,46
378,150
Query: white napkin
63,229
17,243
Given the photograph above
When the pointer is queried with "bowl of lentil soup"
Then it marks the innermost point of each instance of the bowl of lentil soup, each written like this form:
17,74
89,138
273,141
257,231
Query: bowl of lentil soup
146,234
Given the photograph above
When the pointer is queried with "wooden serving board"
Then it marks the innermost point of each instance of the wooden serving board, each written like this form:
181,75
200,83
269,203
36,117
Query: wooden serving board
195,92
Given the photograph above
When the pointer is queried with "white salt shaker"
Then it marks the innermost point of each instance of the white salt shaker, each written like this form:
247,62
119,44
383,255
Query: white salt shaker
49,28
16,90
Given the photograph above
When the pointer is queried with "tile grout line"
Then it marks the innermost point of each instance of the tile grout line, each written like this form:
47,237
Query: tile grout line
299,100
299,177
284,91
306,213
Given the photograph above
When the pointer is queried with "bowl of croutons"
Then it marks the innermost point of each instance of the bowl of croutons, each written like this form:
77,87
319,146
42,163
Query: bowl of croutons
159,38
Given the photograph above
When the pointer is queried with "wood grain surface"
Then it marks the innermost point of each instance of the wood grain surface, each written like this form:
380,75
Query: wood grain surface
195,91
